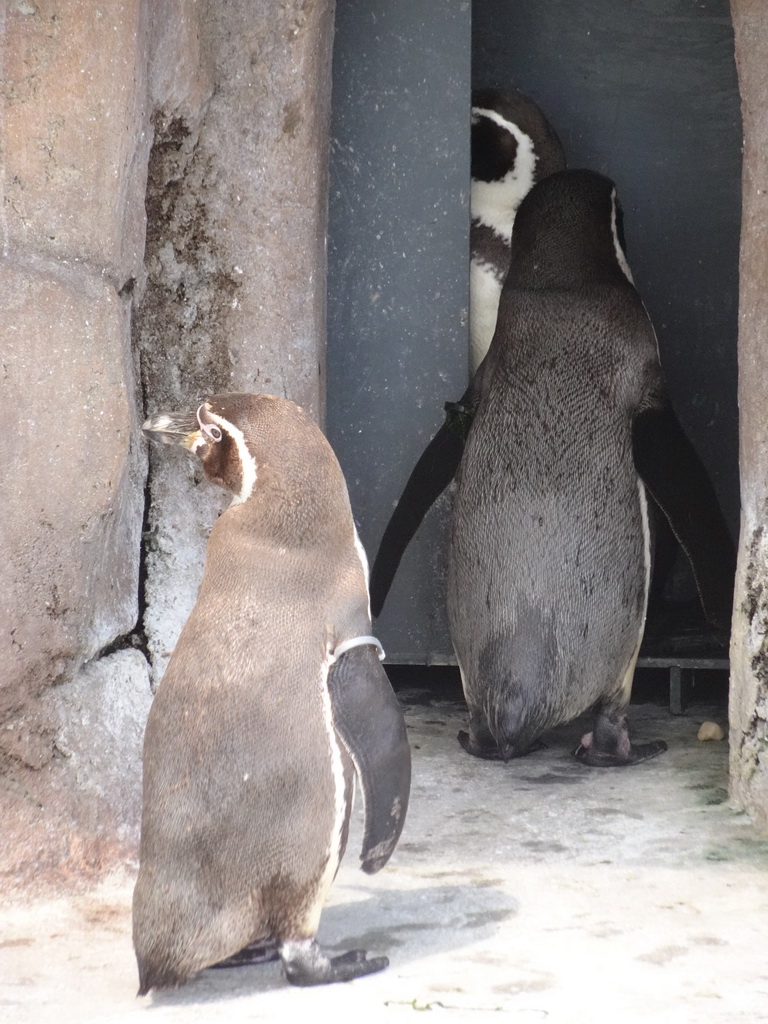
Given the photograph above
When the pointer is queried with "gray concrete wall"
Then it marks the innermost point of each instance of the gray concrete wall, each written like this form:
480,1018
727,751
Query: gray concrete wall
163,229
749,642
398,283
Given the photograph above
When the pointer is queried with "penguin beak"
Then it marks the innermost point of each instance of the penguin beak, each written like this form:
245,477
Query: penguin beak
174,428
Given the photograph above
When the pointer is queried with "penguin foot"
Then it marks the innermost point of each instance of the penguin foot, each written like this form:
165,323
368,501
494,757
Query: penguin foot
489,753
609,744
306,964
492,752
263,952
588,754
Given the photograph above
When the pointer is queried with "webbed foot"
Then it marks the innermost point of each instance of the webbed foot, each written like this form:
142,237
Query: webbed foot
263,952
492,752
306,964
604,759
609,745
489,753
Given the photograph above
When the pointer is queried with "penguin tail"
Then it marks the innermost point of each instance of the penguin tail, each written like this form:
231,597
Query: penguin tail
156,975
507,751
515,721
521,698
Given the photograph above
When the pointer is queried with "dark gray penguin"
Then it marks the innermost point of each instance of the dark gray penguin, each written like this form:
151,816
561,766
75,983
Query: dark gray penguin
550,556
273,700
512,147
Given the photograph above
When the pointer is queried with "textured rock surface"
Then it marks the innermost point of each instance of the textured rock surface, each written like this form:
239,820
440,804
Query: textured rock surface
206,124
235,283
73,164
749,643
74,172
70,488
74,132
80,812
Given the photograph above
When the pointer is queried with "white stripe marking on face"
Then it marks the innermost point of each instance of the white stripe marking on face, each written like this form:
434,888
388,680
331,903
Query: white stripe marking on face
247,461
494,203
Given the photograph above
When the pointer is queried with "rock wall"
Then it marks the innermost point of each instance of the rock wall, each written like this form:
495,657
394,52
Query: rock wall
749,643
200,128
234,295
74,154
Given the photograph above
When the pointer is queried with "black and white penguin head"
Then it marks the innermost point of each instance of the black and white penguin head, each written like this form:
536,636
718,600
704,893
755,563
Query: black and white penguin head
512,146
569,229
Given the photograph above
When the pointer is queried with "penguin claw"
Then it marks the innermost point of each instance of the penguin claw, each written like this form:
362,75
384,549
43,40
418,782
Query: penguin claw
599,759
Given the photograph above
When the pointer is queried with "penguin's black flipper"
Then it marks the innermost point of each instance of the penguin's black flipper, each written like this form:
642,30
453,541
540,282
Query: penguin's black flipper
369,721
677,481
429,478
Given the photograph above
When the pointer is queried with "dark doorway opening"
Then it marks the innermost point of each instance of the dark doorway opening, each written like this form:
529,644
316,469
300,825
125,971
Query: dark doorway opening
646,93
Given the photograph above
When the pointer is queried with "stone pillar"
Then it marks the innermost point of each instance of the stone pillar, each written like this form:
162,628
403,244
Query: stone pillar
749,642
234,295
73,165
203,128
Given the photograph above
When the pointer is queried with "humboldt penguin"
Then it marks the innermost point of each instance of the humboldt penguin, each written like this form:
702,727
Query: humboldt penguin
273,700
512,146
550,554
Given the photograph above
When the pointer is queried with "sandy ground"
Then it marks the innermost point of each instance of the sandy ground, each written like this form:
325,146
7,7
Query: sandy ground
536,891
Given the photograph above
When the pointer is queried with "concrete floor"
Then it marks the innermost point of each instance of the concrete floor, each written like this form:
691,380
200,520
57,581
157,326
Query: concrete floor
536,891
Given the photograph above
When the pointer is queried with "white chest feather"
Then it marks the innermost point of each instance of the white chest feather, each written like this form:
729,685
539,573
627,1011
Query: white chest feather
484,293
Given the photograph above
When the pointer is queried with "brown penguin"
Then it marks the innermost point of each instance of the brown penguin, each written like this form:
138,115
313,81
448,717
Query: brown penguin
273,700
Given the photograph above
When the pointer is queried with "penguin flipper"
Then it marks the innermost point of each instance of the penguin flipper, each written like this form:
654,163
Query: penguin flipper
675,477
370,723
430,476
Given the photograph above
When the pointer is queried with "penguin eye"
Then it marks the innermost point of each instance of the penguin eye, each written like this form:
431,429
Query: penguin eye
210,431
